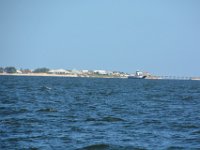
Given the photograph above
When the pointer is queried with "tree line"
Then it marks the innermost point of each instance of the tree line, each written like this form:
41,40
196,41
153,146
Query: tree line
8,70
14,70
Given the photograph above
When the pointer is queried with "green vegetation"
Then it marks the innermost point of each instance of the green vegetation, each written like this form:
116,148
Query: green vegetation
10,70
41,70
70,73
1,69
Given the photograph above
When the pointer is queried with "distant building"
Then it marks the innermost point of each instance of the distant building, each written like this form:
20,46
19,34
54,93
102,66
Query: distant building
19,71
84,71
74,71
102,72
25,71
58,71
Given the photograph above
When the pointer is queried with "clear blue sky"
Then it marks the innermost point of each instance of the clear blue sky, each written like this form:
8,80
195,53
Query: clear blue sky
159,36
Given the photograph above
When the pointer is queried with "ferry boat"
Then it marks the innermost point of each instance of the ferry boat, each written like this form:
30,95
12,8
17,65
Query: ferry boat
137,75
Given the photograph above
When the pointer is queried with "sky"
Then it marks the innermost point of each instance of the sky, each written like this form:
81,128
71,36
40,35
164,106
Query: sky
158,36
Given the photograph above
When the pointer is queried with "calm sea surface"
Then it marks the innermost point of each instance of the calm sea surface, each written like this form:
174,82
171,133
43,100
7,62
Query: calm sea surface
98,114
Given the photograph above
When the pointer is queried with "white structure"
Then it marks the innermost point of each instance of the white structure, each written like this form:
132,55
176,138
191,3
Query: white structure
19,71
58,71
74,71
85,71
139,73
103,72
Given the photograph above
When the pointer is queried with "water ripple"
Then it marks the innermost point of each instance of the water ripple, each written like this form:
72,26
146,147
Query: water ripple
102,114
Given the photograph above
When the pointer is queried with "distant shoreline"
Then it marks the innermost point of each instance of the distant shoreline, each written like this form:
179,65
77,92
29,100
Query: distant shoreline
75,76
33,74
56,75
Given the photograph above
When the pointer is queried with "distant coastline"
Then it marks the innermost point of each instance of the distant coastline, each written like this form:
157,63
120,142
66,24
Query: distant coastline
60,75
88,76
12,71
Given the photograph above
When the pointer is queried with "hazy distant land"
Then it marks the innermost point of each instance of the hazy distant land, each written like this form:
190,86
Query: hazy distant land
81,73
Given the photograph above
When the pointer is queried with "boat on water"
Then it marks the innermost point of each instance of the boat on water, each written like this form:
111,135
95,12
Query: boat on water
137,75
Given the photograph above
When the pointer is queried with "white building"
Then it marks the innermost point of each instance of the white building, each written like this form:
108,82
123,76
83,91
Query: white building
19,71
58,71
103,72
85,71
74,71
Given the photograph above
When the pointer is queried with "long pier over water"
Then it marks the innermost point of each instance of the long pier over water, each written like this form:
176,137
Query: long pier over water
173,78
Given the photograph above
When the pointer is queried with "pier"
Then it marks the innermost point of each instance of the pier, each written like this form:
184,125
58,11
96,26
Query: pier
174,78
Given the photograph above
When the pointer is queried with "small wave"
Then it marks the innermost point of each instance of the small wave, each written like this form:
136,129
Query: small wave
187,98
91,119
197,132
13,122
106,119
33,148
44,88
110,147
185,126
48,88
76,129
150,121
112,119
175,147
47,110
11,111
96,147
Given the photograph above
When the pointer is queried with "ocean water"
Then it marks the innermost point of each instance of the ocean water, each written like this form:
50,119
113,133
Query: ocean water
51,113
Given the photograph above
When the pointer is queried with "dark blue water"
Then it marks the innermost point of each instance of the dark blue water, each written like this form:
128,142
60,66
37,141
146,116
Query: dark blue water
98,114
